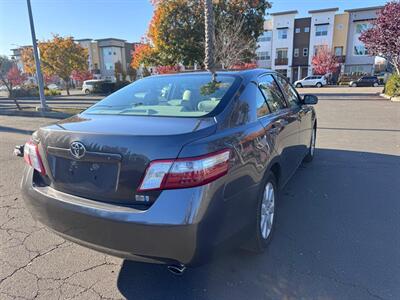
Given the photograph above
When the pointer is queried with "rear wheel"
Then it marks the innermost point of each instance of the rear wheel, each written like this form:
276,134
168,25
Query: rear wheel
265,215
376,84
299,85
354,85
87,91
319,85
311,150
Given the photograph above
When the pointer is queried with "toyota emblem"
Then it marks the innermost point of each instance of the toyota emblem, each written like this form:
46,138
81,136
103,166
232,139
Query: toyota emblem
77,150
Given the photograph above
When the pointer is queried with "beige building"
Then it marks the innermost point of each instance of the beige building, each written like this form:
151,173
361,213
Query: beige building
340,36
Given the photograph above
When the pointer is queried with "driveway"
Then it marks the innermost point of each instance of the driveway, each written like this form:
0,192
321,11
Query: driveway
337,237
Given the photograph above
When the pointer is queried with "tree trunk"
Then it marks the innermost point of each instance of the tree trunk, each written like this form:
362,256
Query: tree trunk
11,96
67,85
209,59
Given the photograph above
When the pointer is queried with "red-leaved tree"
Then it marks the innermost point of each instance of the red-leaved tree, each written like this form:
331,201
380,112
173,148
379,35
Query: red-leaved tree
168,69
324,62
383,38
15,76
81,75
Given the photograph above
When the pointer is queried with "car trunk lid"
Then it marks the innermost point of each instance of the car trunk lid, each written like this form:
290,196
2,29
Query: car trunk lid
117,151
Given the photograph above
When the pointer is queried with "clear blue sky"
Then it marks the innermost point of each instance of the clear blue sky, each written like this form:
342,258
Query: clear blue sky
125,19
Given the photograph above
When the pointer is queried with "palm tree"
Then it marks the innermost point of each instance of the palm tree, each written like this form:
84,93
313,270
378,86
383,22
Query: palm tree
209,60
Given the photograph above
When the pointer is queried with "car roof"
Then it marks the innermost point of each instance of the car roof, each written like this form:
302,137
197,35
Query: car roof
244,74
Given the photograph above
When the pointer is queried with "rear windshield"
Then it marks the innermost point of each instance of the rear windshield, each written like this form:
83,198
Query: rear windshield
172,95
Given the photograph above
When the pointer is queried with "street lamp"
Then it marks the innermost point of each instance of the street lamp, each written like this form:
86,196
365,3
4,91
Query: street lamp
43,106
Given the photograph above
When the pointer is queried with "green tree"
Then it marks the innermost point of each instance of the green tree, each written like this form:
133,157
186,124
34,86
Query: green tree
61,56
176,31
10,76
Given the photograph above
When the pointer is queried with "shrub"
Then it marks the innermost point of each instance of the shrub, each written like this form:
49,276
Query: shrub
392,87
32,91
52,92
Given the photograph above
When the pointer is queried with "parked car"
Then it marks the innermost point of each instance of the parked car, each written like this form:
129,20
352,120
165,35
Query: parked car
88,86
53,86
365,81
172,168
315,80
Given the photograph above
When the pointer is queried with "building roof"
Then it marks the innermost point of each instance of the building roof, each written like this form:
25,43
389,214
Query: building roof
316,11
82,40
288,12
115,39
364,9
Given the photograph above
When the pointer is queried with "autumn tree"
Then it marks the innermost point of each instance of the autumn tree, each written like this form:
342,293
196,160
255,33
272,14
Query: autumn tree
176,31
142,55
10,76
383,39
324,61
81,76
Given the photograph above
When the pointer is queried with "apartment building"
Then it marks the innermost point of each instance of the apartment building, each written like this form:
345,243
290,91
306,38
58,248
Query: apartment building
264,48
321,34
282,41
294,41
301,43
93,56
357,58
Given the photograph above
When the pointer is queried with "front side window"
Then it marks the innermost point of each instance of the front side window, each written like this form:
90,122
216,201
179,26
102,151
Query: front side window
321,30
290,93
173,95
272,93
282,34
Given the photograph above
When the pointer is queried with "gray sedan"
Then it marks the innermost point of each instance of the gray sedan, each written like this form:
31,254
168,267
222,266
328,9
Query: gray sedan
172,169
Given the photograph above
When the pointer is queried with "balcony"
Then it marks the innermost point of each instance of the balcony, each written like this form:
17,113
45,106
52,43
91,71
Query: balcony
281,61
341,59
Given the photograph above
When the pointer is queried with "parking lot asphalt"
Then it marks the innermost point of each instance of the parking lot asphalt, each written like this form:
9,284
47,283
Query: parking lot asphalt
337,237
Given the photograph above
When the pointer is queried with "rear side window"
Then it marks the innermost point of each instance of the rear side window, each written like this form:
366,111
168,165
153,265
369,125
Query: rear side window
191,95
272,93
262,106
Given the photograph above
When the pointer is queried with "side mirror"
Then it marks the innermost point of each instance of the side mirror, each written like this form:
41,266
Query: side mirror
310,99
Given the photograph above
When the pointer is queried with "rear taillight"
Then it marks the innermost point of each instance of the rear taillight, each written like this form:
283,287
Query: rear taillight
185,172
32,157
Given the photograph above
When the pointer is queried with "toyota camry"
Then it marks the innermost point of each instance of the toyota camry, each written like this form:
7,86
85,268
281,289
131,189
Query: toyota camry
172,168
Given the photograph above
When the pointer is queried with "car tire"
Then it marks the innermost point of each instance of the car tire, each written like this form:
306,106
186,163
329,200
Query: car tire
311,150
87,91
376,84
319,85
299,85
354,85
263,229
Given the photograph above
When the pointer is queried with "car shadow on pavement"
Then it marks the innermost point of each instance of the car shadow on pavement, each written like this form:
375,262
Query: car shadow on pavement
336,238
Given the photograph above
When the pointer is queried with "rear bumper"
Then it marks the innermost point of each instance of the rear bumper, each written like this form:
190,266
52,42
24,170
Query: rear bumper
182,226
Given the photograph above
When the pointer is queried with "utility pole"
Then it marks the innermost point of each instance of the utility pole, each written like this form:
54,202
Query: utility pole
43,105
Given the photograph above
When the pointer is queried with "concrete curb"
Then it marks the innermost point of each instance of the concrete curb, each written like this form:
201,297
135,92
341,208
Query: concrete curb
36,114
393,99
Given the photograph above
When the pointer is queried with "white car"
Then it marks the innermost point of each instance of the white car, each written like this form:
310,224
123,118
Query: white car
53,86
314,80
88,85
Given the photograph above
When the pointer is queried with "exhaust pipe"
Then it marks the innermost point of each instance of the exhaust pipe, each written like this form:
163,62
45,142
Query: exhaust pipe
177,270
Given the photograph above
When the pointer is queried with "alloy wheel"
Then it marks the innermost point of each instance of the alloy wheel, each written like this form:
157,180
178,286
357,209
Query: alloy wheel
267,210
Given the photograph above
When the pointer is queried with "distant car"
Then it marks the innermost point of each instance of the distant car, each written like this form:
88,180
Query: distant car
173,168
53,86
382,77
3,88
314,80
88,86
365,81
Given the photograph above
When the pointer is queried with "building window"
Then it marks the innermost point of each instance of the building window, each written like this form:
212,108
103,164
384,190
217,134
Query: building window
318,48
338,51
265,37
363,27
282,53
115,53
263,55
360,50
321,30
109,52
282,34
297,30
296,52
305,51
306,29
